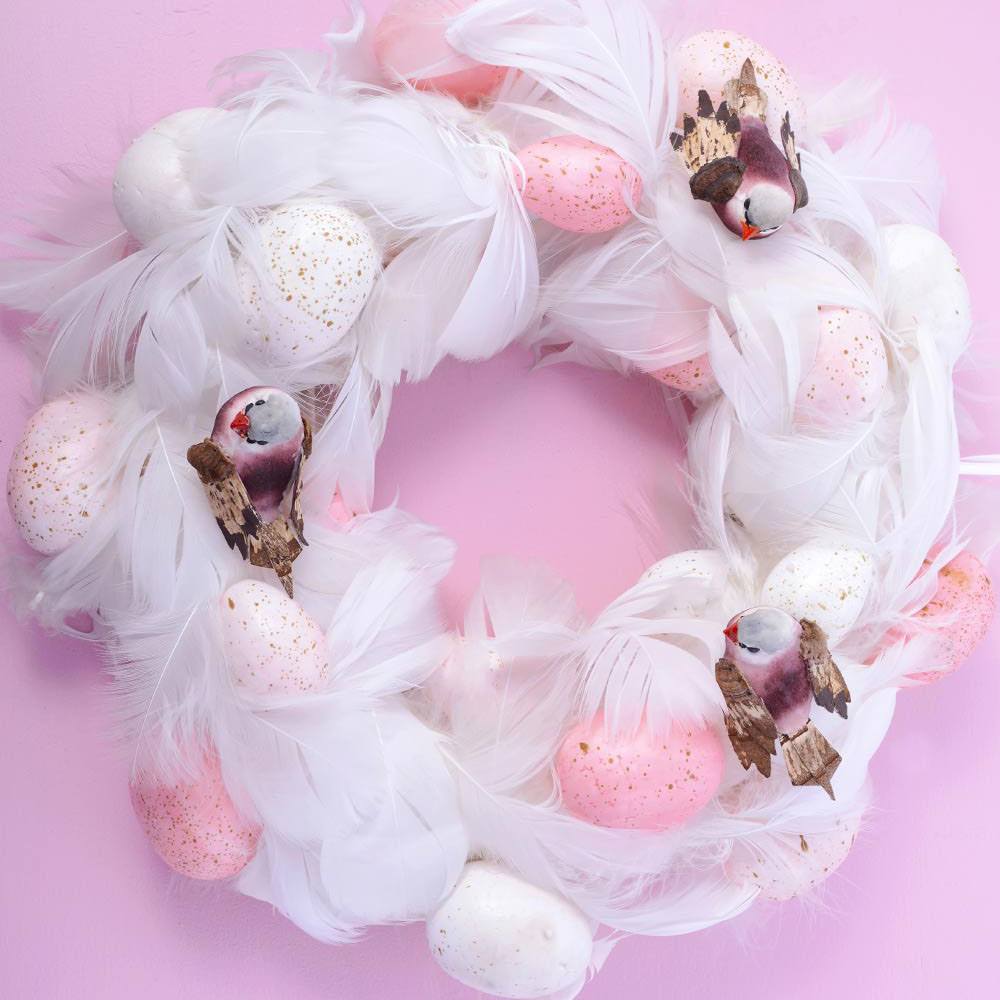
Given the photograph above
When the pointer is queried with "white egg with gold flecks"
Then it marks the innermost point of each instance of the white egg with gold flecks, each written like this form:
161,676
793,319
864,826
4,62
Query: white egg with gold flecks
272,647
501,935
694,375
926,288
690,580
54,485
847,379
710,59
152,189
793,865
827,584
319,265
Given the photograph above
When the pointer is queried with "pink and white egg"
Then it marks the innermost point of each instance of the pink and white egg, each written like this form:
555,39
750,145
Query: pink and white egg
643,781
579,185
272,647
410,43
193,825
54,486
694,375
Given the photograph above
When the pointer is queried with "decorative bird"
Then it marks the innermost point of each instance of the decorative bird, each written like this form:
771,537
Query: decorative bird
735,165
774,667
251,468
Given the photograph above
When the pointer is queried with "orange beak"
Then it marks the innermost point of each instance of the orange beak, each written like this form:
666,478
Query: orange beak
749,232
241,424
732,632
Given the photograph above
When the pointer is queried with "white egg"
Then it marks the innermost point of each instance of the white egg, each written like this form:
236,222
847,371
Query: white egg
152,189
320,263
54,489
506,937
827,584
691,580
272,647
926,287
710,59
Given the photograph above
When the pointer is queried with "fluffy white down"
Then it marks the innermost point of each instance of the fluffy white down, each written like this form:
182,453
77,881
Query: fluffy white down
423,747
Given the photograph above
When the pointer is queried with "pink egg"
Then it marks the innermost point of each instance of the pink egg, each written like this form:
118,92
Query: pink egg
795,864
272,647
339,512
410,42
578,185
688,376
639,782
962,610
710,59
194,826
53,483
848,377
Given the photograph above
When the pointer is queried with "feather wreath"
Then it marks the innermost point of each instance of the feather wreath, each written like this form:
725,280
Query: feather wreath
463,175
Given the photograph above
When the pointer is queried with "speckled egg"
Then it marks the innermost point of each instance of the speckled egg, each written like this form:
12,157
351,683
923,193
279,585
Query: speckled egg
578,185
501,935
926,288
794,865
849,375
639,782
194,825
703,566
410,43
152,191
710,59
827,584
339,512
962,609
693,375
272,647
53,486
320,264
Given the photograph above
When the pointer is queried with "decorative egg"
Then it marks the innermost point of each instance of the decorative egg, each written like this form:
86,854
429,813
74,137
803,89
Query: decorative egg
793,865
693,375
639,782
272,647
704,566
194,825
926,287
410,43
961,611
828,584
850,373
578,185
710,59
503,936
54,490
152,191
320,265
339,512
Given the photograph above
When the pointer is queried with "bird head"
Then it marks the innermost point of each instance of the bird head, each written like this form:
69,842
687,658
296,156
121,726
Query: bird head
755,636
258,417
758,209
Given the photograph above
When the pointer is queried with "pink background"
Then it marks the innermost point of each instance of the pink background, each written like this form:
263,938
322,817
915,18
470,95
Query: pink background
539,466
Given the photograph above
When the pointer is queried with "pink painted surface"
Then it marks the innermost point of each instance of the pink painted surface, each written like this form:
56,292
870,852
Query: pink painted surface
539,465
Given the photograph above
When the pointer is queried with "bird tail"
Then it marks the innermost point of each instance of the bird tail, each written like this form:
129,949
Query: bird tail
810,758
743,96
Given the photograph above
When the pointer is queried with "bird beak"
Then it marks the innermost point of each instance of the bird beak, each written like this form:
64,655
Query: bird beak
241,424
749,232
732,631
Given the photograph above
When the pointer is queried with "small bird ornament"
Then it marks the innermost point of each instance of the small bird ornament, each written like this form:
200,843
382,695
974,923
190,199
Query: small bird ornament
734,163
251,468
775,665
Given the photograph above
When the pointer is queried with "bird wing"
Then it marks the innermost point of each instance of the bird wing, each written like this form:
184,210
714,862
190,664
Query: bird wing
794,163
751,728
827,682
708,147
294,519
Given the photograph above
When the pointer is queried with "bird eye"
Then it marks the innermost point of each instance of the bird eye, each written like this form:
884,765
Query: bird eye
260,402
746,204
752,649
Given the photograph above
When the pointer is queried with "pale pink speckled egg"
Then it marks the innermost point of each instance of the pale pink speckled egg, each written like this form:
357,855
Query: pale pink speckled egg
795,864
410,43
639,782
848,378
578,185
272,647
710,59
339,512
688,376
53,486
194,825
965,599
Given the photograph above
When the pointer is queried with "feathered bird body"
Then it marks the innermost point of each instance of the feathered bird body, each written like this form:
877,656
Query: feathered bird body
251,468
